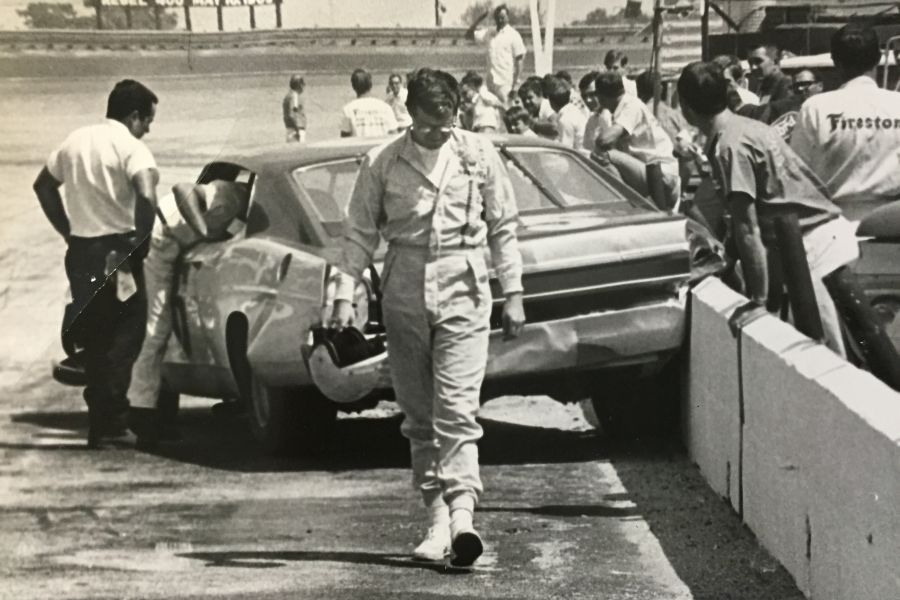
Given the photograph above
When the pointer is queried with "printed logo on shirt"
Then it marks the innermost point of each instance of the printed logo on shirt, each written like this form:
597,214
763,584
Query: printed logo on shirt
784,124
838,121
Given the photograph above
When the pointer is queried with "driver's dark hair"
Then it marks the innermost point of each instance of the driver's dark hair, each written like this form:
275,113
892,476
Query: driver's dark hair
854,48
609,83
702,87
128,96
434,92
499,8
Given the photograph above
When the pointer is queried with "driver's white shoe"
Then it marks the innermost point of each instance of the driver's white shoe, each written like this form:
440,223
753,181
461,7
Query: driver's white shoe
436,544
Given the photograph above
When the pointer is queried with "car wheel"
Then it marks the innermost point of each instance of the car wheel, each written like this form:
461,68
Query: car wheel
290,420
630,406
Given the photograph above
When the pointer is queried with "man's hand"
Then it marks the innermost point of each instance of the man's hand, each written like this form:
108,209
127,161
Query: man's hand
745,314
342,314
513,316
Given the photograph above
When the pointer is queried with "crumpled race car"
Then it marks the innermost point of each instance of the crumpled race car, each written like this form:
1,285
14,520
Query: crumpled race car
605,277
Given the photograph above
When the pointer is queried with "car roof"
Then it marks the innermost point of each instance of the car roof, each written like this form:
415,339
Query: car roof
279,158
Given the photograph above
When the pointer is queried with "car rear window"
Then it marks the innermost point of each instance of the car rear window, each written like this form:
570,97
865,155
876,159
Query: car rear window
548,177
328,186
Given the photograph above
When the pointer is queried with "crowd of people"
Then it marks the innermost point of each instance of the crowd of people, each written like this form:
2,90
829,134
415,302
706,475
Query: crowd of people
839,156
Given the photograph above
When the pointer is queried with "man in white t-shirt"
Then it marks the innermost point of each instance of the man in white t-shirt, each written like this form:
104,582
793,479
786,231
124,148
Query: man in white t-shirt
366,116
505,52
108,178
635,139
570,119
850,137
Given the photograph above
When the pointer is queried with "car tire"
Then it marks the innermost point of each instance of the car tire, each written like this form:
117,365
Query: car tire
290,421
634,407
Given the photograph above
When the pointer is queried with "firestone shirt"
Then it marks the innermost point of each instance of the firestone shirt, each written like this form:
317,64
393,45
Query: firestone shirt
400,198
96,165
851,139
750,157
368,117
503,47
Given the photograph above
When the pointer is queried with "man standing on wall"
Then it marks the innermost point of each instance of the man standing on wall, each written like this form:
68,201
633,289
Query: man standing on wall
505,52
109,178
439,196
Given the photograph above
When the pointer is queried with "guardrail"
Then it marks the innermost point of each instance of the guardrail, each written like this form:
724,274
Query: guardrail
54,39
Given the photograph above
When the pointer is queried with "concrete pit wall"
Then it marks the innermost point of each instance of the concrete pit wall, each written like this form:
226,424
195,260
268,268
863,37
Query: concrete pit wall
805,447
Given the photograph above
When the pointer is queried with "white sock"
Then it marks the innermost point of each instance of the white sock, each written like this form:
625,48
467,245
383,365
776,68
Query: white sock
460,521
439,515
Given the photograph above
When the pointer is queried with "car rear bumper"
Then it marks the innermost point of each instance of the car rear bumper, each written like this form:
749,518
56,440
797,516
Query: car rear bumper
598,340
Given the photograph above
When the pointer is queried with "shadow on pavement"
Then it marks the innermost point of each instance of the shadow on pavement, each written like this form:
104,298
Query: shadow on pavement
358,443
273,559
564,510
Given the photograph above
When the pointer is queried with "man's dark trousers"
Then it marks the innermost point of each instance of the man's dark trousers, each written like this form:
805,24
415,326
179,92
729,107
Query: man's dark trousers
109,331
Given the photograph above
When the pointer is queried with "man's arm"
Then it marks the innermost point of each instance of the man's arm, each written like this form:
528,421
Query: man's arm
750,249
517,70
501,217
46,187
470,32
144,183
610,137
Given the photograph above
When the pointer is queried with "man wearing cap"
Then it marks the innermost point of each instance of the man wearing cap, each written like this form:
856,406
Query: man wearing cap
440,196
108,177
850,137
190,215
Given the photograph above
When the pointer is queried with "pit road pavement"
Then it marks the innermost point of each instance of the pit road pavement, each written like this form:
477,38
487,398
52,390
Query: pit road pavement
565,513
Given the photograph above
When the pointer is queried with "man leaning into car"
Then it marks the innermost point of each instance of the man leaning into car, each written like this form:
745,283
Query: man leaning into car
109,180
439,196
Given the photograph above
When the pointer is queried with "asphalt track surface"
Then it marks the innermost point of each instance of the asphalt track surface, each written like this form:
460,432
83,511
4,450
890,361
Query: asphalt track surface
566,512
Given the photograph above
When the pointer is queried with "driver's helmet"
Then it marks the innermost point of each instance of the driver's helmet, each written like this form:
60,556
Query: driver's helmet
345,365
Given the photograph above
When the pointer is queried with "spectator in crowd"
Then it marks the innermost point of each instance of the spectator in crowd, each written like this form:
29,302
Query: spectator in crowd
672,121
532,96
505,52
761,178
574,99
635,139
396,99
616,61
570,120
108,177
773,85
366,116
478,115
194,213
293,108
737,80
599,118
850,137
437,327
518,120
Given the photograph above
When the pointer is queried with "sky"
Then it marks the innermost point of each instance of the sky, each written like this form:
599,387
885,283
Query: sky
338,13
